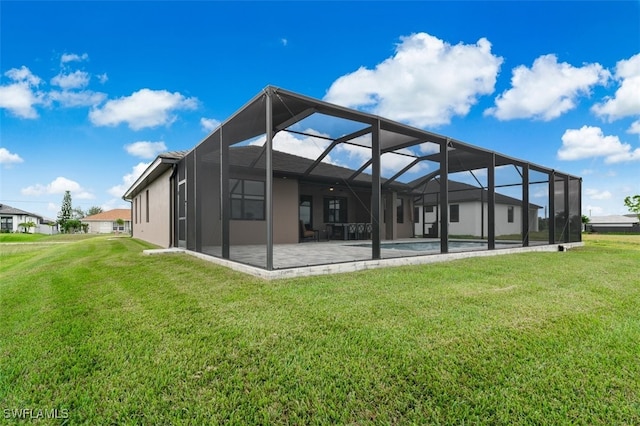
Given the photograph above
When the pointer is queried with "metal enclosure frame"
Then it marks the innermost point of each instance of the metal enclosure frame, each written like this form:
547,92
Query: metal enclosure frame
276,110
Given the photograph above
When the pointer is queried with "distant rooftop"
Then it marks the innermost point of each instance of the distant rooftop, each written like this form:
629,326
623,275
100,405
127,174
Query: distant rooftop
613,219
110,215
5,209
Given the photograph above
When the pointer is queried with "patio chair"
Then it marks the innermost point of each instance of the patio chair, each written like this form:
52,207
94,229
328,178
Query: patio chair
368,230
308,234
352,229
361,231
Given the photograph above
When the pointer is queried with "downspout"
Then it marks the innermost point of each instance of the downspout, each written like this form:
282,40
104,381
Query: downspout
172,204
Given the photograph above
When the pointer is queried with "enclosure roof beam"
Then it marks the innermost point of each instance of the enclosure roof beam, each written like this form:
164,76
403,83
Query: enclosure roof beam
296,118
427,178
401,172
333,144
360,170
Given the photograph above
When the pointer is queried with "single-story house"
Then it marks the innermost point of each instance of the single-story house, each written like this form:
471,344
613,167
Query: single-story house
11,218
235,196
107,222
614,223
468,212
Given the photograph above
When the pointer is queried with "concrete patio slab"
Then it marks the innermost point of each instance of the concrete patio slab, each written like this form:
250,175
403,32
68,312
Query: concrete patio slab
297,260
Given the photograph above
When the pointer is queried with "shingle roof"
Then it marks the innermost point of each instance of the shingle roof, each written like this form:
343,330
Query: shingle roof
244,156
110,215
461,192
613,219
5,209
290,164
174,155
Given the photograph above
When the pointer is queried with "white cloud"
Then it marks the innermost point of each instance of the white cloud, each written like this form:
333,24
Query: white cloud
103,78
23,74
588,142
7,157
547,89
390,162
594,210
145,150
144,108
20,96
209,124
73,57
58,186
634,128
53,208
68,98
300,145
74,80
312,147
115,203
541,193
284,41
626,101
595,194
425,83
128,180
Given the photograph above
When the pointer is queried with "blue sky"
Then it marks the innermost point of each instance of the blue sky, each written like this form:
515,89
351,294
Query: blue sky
90,92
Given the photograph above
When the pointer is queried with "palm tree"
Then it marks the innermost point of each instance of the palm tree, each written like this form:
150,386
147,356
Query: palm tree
120,223
27,226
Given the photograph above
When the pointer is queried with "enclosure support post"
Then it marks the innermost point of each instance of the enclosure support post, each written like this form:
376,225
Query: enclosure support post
444,197
269,177
491,206
225,199
567,218
580,207
376,196
552,208
525,205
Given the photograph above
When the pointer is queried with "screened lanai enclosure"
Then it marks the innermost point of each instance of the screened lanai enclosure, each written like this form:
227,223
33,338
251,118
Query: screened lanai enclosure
291,181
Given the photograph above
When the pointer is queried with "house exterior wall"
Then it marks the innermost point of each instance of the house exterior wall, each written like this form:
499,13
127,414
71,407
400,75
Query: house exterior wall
44,228
285,218
106,226
614,228
391,228
17,219
156,227
503,226
473,218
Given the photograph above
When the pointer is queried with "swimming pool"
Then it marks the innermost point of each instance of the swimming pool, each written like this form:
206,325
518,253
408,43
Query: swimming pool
435,245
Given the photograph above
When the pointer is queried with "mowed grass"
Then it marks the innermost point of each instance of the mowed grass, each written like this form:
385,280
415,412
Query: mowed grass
115,337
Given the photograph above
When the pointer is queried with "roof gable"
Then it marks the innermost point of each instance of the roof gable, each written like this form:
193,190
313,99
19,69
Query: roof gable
5,209
110,215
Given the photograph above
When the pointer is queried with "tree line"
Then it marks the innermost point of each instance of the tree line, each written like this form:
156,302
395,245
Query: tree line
69,218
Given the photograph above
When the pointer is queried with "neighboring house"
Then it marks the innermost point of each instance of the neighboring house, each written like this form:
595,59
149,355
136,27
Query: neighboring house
614,223
107,222
233,194
48,227
11,218
468,212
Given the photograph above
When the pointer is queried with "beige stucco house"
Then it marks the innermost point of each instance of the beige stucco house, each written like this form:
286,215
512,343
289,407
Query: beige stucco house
235,196
107,222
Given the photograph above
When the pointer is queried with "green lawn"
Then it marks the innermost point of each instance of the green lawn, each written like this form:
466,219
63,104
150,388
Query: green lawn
94,328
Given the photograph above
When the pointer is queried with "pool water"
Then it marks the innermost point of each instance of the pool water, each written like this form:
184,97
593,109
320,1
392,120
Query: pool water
433,245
